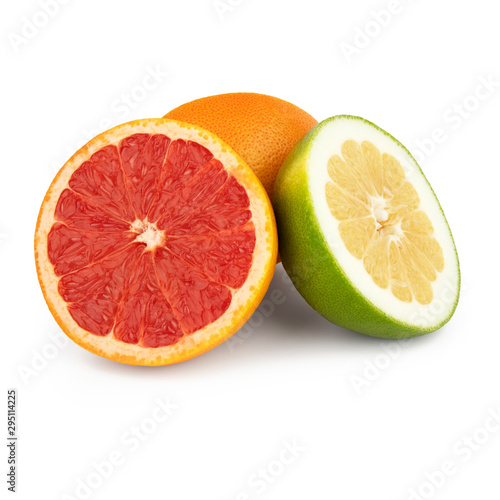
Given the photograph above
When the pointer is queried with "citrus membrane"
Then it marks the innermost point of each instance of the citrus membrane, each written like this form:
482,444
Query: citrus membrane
154,243
365,239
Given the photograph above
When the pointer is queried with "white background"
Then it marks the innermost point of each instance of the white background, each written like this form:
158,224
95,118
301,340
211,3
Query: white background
292,377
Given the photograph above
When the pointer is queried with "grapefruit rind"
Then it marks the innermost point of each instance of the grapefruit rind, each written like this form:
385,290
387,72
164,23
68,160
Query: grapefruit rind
333,281
245,299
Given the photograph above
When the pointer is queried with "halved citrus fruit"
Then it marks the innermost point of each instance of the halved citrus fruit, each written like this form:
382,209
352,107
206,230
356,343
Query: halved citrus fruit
155,242
362,234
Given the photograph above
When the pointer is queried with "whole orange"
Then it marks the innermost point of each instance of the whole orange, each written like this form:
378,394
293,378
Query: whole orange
262,129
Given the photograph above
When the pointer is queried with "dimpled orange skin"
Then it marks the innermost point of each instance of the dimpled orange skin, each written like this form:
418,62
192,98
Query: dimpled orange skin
262,129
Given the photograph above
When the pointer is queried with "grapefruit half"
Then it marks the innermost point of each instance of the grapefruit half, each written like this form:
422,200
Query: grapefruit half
155,242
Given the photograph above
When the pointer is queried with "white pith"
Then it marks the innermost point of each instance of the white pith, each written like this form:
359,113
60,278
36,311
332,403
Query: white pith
148,233
327,143
379,210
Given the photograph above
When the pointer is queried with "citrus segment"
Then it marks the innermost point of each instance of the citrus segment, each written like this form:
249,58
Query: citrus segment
224,257
196,300
357,234
144,313
227,208
344,206
340,172
142,158
156,239
393,174
417,222
374,166
71,249
376,260
184,160
101,179
94,292
398,278
82,214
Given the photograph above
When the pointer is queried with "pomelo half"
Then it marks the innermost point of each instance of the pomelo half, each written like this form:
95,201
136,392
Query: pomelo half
154,243
362,234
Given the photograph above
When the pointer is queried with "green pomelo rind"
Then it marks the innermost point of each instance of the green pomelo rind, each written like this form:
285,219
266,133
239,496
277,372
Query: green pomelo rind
311,264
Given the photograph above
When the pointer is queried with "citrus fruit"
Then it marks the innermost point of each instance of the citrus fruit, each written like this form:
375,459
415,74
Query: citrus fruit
154,243
262,129
362,234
